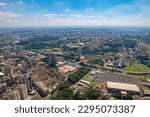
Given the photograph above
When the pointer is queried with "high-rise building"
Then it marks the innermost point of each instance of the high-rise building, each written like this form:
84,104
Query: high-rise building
22,88
35,79
1,77
14,95
31,61
8,80
3,88
18,48
7,54
79,52
1,58
53,60
28,82
6,70
23,68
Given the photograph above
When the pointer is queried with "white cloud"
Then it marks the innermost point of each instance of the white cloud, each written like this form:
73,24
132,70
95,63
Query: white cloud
72,19
67,10
20,2
3,4
8,14
49,14
90,9
36,17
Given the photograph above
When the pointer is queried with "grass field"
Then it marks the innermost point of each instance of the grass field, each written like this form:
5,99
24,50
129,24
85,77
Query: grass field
134,67
47,50
88,78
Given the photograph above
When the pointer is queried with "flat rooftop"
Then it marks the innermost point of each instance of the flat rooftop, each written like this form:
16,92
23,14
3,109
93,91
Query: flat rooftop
122,86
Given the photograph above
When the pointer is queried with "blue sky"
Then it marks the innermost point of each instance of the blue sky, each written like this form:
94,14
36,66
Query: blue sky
14,13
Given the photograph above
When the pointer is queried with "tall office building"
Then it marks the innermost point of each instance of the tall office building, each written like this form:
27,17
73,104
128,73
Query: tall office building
22,88
53,60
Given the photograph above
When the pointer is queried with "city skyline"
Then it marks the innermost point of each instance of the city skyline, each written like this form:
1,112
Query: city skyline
35,13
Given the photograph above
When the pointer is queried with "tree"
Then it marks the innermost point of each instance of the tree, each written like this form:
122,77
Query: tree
77,96
127,97
118,95
64,92
90,94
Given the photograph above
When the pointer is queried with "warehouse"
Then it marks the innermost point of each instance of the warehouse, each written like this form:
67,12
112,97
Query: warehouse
117,86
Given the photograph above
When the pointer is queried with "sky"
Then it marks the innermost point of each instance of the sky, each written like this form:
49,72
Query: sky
41,13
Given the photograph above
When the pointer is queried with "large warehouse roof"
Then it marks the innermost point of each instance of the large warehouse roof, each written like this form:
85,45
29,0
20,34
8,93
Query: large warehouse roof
123,86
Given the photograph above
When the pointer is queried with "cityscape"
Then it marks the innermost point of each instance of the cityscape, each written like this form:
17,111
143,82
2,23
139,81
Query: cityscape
71,58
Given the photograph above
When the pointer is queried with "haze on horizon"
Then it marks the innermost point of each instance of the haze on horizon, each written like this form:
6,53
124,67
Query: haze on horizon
35,13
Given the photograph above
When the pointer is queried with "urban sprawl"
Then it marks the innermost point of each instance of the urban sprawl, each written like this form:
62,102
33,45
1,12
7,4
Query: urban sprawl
75,64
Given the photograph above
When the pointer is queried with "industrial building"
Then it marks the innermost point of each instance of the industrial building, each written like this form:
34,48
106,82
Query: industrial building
123,87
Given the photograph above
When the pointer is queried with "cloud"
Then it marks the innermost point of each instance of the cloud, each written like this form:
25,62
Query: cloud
20,2
3,4
90,9
67,10
36,17
8,14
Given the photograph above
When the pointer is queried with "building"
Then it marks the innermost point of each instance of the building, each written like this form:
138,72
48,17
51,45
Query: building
85,82
17,79
109,64
1,58
42,89
35,79
123,87
6,70
1,77
122,63
14,95
67,68
30,60
28,83
3,88
18,48
53,60
7,54
8,80
22,88
23,68
79,51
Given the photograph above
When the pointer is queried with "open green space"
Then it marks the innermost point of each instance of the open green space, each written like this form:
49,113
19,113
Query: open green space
73,46
47,50
88,78
134,67
76,76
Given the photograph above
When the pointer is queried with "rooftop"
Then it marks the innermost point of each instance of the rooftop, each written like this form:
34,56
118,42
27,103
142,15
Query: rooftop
123,86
